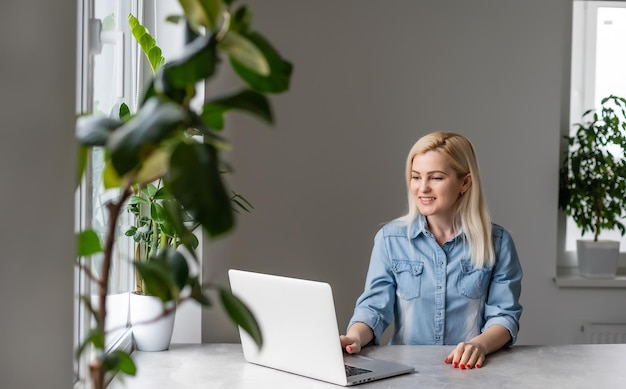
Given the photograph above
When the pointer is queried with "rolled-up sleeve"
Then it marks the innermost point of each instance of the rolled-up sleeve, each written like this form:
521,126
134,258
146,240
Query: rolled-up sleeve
375,305
502,305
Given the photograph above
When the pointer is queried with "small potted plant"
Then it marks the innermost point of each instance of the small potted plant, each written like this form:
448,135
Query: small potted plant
153,232
592,186
170,140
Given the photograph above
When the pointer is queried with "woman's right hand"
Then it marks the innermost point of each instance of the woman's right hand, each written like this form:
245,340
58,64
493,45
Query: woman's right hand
351,345
359,334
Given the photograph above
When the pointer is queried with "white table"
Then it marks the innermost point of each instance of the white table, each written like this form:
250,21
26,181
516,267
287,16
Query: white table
201,366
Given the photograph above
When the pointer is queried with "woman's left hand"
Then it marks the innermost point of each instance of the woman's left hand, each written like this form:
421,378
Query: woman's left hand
472,353
467,355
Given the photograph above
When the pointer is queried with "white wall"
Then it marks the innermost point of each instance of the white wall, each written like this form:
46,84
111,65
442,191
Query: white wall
370,78
37,159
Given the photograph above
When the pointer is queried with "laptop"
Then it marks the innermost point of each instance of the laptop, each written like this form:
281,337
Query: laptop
287,309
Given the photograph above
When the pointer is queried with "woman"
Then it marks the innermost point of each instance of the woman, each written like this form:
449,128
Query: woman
443,273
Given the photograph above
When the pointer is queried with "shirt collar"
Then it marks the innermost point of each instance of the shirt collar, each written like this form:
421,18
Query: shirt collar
420,226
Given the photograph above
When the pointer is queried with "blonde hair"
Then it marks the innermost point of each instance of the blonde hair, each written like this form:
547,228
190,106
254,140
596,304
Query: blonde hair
472,214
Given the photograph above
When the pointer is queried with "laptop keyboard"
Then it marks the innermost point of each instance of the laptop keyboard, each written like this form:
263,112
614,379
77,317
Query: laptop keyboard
353,370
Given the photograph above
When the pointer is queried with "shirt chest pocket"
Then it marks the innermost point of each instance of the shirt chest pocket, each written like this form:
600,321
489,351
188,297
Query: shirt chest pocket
408,277
473,283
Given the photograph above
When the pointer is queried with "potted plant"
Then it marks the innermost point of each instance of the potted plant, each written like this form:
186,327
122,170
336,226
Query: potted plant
167,139
152,231
593,184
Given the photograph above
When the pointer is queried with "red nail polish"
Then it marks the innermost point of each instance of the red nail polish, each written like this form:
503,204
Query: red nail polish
462,367
468,366
456,364
478,366
446,360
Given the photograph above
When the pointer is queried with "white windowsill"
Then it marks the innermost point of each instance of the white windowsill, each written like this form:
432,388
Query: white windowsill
569,277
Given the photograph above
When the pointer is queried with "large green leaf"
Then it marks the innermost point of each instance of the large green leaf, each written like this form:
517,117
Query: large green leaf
241,315
202,12
280,70
132,142
83,157
195,180
210,135
197,293
150,92
95,130
176,219
240,20
119,361
196,63
157,281
110,176
149,190
157,213
239,48
147,43
88,243
175,264
94,337
154,165
164,274
246,100
160,193
124,112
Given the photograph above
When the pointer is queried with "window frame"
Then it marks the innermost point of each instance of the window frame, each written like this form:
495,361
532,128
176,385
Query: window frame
151,14
89,40
582,97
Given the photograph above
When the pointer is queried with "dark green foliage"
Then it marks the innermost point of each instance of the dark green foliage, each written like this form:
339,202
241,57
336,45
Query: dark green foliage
166,159
593,174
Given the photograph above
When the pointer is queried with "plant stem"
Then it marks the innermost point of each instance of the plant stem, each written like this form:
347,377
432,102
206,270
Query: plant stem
96,367
138,280
96,372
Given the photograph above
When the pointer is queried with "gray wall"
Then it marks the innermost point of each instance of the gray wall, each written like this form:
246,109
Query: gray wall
370,78
37,159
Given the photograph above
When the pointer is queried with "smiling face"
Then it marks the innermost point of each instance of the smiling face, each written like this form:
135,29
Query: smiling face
435,186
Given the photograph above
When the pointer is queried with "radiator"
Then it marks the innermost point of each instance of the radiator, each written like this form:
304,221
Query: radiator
604,332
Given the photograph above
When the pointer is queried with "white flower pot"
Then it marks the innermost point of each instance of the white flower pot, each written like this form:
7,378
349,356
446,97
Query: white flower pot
117,313
150,334
597,259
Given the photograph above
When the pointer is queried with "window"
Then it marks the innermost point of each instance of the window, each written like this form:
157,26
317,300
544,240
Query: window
598,63
106,79
111,71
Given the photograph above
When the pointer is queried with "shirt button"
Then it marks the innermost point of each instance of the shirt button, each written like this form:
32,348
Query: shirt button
441,263
437,337
439,287
438,313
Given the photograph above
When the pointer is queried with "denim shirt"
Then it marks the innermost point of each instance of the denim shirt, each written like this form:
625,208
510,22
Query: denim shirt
433,294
